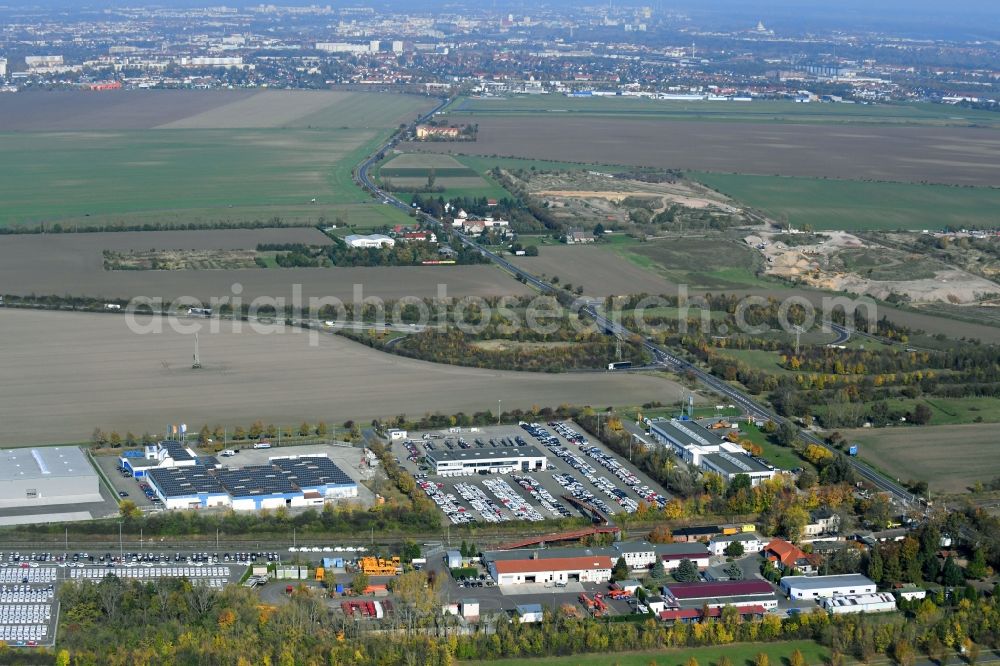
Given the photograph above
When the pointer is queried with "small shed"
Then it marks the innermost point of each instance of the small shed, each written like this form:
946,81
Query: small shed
454,559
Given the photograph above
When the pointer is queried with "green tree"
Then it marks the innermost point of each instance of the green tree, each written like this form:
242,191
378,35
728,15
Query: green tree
62,658
686,572
128,510
239,433
304,429
359,582
977,566
762,659
951,574
620,571
797,659
873,565
657,574
322,429
734,549
115,439
204,435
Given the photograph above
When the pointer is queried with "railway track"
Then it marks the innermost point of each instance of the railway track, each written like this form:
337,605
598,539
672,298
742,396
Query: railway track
663,357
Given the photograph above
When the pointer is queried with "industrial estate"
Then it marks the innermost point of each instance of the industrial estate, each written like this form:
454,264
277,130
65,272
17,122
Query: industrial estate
627,334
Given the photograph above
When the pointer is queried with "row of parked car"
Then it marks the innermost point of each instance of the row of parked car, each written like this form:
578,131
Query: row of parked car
542,496
580,492
628,478
447,502
512,501
487,508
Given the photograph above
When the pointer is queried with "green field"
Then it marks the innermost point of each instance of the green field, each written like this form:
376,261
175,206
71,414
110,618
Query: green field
951,411
779,456
204,167
742,654
699,263
49,176
756,111
851,205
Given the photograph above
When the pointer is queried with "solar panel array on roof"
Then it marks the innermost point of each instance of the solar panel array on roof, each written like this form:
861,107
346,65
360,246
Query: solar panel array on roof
184,481
309,472
255,480
176,450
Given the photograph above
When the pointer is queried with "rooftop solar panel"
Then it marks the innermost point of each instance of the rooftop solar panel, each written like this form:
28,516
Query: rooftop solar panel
183,481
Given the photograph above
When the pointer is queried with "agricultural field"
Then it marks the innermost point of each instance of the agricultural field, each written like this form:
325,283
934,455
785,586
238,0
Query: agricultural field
743,654
714,263
950,155
413,170
131,381
949,458
854,205
73,264
210,157
772,111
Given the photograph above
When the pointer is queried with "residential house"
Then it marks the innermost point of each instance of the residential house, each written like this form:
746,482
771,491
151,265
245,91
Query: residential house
787,556
578,236
822,521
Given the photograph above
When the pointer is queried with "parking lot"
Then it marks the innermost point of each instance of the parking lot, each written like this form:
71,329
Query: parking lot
578,467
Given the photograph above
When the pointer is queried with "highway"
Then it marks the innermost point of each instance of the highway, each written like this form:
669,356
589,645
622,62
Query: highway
662,356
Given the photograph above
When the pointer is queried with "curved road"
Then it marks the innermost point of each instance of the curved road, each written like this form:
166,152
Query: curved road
662,356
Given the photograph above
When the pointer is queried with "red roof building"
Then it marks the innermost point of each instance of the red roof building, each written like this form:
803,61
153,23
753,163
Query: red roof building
787,556
725,588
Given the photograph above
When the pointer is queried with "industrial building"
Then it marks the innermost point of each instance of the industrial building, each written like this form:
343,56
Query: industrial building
543,565
291,482
459,462
369,241
750,541
699,446
583,568
821,587
162,455
47,476
716,594
644,555
880,602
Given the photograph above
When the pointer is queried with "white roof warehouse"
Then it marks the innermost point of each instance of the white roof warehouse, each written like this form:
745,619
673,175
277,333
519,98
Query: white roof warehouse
703,448
471,461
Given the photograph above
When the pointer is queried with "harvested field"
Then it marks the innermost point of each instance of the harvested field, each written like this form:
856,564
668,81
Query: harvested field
949,458
74,264
760,111
59,111
953,155
81,371
598,269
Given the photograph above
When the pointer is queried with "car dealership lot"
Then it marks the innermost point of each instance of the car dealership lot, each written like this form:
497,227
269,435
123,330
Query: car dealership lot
577,467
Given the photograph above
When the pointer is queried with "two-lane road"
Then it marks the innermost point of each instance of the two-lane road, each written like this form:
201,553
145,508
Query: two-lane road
662,356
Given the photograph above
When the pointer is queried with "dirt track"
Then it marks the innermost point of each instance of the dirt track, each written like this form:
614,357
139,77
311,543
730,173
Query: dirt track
76,372
962,156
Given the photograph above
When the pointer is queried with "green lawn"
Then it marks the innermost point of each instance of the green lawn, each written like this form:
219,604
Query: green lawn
851,205
950,411
701,264
756,111
226,173
742,654
779,456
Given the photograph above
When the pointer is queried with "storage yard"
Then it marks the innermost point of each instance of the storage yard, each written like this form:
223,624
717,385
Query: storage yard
530,472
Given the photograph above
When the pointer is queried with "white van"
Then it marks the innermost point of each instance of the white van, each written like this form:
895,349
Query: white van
262,445
227,453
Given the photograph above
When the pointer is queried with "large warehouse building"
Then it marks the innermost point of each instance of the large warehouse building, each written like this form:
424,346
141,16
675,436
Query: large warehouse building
47,476
462,462
292,482
821,587
704,448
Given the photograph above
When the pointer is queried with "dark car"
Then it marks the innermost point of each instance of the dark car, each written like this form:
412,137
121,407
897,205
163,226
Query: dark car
122,493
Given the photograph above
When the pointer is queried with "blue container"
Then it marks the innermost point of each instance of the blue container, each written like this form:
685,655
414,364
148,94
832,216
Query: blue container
853,451
339,588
